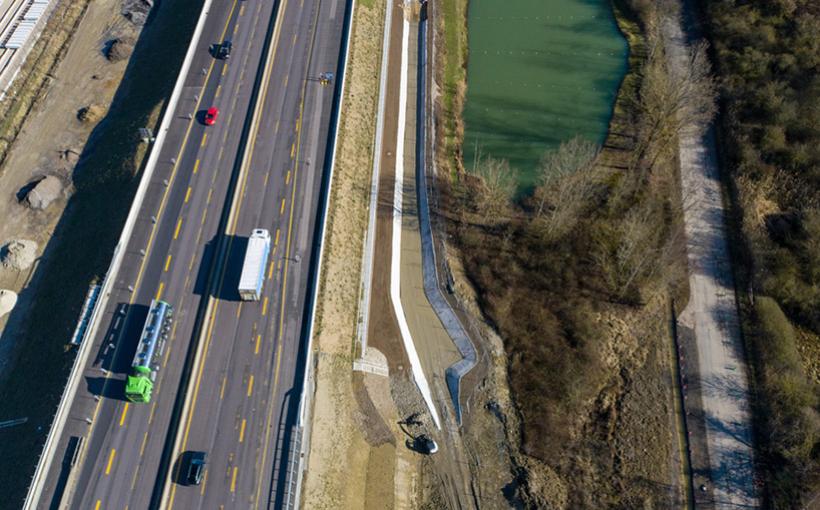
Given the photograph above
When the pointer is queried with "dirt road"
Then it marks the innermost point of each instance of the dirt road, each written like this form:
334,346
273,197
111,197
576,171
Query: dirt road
728,479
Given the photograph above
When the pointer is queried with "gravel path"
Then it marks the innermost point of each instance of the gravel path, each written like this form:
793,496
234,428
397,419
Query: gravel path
711,313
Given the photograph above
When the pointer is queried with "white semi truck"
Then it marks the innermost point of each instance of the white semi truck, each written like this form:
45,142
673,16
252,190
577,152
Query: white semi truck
253,269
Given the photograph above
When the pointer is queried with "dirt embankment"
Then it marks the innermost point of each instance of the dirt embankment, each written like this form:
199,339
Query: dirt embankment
63,91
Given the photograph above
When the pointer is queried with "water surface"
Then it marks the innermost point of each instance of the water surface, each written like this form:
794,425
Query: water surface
539,72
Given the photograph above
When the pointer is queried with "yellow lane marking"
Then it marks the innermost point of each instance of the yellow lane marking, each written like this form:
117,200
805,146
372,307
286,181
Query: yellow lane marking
133,481
270,271
144,442
250,385
278,362
218,90
276,243
230,230
242,431
233,479
282,207
97,506
124,413
225,67
181,151
179,225
196,166
258,339
265,306
222,388
287,177
110,460
204,482
151,415
292,150
159,290
204,214
168,262
238,310
235,28
188,194
204,139
285,274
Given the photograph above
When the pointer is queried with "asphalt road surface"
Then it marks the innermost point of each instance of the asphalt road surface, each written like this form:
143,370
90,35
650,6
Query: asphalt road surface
244,395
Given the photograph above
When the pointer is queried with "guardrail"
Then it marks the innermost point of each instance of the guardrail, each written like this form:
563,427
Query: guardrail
47,455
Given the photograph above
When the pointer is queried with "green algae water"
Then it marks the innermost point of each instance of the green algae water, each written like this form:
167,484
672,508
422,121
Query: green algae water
539,72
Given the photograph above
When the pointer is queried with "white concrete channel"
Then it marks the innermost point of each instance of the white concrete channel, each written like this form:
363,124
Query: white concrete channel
47,455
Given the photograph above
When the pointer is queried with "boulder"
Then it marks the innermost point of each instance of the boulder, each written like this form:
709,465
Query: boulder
7,301
90,114
119,49
44,193
19,255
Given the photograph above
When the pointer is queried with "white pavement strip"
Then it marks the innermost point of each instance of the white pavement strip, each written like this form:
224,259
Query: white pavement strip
395,266
712,313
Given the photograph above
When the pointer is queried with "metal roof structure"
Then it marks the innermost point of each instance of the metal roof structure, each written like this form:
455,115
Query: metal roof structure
20,21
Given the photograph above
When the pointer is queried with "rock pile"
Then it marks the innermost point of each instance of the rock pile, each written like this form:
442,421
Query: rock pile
119,49
7,301
136,11
90,114
19,255
44,193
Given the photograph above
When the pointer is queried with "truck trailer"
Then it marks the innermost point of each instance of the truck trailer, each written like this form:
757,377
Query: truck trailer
253,269
140,383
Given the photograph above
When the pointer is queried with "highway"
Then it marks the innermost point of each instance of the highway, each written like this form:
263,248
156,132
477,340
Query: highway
267,156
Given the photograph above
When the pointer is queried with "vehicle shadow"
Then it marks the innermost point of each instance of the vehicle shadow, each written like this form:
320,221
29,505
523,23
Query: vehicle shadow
227,283
106,387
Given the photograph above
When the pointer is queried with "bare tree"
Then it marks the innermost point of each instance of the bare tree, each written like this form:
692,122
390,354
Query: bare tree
496,187
566,183
672,98
639,249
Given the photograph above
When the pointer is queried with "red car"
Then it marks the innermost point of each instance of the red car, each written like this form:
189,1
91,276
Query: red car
211,115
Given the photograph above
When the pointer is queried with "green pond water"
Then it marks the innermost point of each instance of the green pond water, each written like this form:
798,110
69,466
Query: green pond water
539,72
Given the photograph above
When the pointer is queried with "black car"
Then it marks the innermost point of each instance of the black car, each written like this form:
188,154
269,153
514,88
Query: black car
223,51
196,467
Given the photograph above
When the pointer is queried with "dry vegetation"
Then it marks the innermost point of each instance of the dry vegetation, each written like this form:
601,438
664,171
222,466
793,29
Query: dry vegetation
576,279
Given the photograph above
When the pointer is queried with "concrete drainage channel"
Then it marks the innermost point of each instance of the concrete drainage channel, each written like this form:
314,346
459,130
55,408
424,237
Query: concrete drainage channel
47,455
